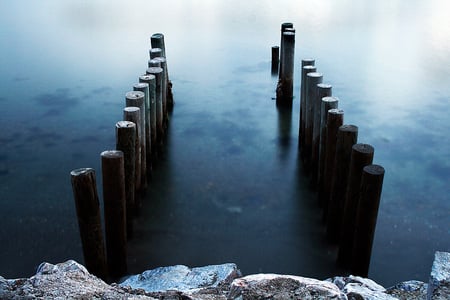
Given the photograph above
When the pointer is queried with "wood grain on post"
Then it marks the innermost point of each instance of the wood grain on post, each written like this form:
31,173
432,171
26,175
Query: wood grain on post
275,59
137,99
323,90
89,220
126,142
307,67
164,84
312,80
158,73
151,81
115,211
327,104
286,81
346,138
362,155
133,114
284,26
366,219
157,41
155,52
145,88
154,63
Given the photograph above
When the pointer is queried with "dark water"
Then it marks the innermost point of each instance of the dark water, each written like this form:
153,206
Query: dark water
228,187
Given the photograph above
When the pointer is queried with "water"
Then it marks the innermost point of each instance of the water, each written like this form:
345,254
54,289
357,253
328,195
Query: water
229,187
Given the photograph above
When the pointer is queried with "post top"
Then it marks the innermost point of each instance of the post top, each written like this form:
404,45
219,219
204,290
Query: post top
330,99
363,148
131,109
134,95
82,171
146,77
324,85
140,85
125,124
112,154
336,111
314,74
154,70
373,170
348,128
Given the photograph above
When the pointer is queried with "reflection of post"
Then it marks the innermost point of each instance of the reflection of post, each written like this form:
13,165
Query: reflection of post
115,211
157,72
362,155
307,67
327,104
346,138
126,142
133,114
284,129
323,90
285,83
275,59
89,220
366,220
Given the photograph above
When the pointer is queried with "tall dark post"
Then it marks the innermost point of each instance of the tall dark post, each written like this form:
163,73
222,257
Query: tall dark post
275,59
285,83
151,81
133,114
284,26
164,82
366,220
115,211
307,67
157,72
157,41
346,138
89,221
145,88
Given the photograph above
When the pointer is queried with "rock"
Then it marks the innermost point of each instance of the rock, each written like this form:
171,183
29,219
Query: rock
439,285
272,286
183,279
62,281
358,288
409,290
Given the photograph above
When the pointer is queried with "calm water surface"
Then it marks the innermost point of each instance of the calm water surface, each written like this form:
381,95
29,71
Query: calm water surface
228,187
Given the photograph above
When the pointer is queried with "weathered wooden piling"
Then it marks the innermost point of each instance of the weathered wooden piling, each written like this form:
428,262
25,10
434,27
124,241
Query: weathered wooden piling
133,114
158,73
275,59
164,83
154,63
346,138
286,81
312,80
327,104
115,211
145,88
151,81
137,99
155,52
335,119
126,142
361,156
366,218
89,220
284,26
307,67
157,41
323,90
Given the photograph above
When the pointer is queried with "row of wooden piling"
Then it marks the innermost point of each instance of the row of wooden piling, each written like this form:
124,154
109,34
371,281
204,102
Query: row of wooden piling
340,169
126,170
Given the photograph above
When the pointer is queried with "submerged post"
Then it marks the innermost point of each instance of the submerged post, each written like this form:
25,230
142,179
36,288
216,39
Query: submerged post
157,72
151,81
89,221
133,114
285,83
115,211
362,155
126,142
366,220
346,138
307,67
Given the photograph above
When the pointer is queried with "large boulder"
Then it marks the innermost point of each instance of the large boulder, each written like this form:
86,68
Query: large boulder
439,285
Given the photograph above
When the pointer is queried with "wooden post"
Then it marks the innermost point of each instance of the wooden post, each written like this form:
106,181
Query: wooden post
89,221
275,59
164,83
366,219
137,99
312,80
157,41
151,81
327,104
284,26
126,142
323,90
154,63
307,67
133,114
145,88
335,119
362,155
115,211
155,52
158,73
285,83
346,138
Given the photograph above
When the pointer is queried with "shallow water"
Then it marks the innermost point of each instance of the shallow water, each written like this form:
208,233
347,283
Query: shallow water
228,187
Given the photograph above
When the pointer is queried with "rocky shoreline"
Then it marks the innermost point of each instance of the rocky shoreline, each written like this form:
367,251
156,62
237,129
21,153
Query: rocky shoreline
71,280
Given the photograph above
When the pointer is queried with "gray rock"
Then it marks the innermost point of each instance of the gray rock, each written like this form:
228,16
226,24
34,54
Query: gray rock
182,278
272,286
409,290
439,285
359,288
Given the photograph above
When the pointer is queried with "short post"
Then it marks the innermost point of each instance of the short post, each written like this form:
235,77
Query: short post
323,90
157,41
154,63
126,142
285,83
137,99
133,114
284,26
346,138
366,218
275,59
307,67
145,88
155,52
158,73
115,211
151,81
89,221
362,155
335,119
164,83
312,80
